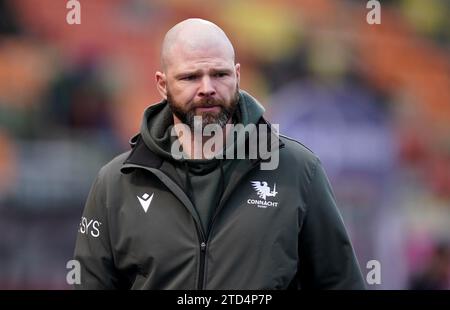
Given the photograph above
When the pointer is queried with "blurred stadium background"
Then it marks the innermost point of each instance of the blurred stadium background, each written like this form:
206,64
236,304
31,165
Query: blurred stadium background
373,101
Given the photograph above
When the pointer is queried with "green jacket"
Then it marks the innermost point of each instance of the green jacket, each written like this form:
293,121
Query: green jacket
141,230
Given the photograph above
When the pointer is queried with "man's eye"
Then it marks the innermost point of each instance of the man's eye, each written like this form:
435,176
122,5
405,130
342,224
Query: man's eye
220,74
189,78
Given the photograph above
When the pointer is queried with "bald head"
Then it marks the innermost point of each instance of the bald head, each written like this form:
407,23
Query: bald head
198,71
192,35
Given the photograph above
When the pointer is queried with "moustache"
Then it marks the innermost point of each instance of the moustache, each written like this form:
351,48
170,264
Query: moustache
208,102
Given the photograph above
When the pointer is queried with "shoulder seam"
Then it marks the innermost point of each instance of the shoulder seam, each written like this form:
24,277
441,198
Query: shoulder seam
298,142
313,175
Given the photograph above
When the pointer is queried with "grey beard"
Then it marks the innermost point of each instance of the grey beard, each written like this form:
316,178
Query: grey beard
207,118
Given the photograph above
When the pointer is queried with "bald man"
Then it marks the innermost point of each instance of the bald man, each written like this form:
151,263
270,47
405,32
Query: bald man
215,216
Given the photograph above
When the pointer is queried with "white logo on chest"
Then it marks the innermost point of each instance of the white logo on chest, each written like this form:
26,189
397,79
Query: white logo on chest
263,191
145,201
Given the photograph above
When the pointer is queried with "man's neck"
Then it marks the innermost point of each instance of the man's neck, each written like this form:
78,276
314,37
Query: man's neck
193,144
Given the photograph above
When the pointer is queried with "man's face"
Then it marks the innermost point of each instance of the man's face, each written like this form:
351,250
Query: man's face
202,83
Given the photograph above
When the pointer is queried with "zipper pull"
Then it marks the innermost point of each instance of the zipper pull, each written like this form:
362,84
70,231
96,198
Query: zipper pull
203,246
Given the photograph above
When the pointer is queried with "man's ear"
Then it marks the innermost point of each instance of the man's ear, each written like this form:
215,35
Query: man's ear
238,72
161,84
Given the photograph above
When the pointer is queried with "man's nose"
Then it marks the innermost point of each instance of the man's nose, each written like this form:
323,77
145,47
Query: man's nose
206,88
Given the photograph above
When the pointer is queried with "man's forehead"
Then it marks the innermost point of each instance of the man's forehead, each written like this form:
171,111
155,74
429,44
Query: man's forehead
186,57
195,39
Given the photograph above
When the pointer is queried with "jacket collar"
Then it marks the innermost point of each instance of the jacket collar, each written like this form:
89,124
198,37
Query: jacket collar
141,155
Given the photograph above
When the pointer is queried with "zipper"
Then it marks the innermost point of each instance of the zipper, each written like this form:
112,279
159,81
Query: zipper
202,270
201,267
203,245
